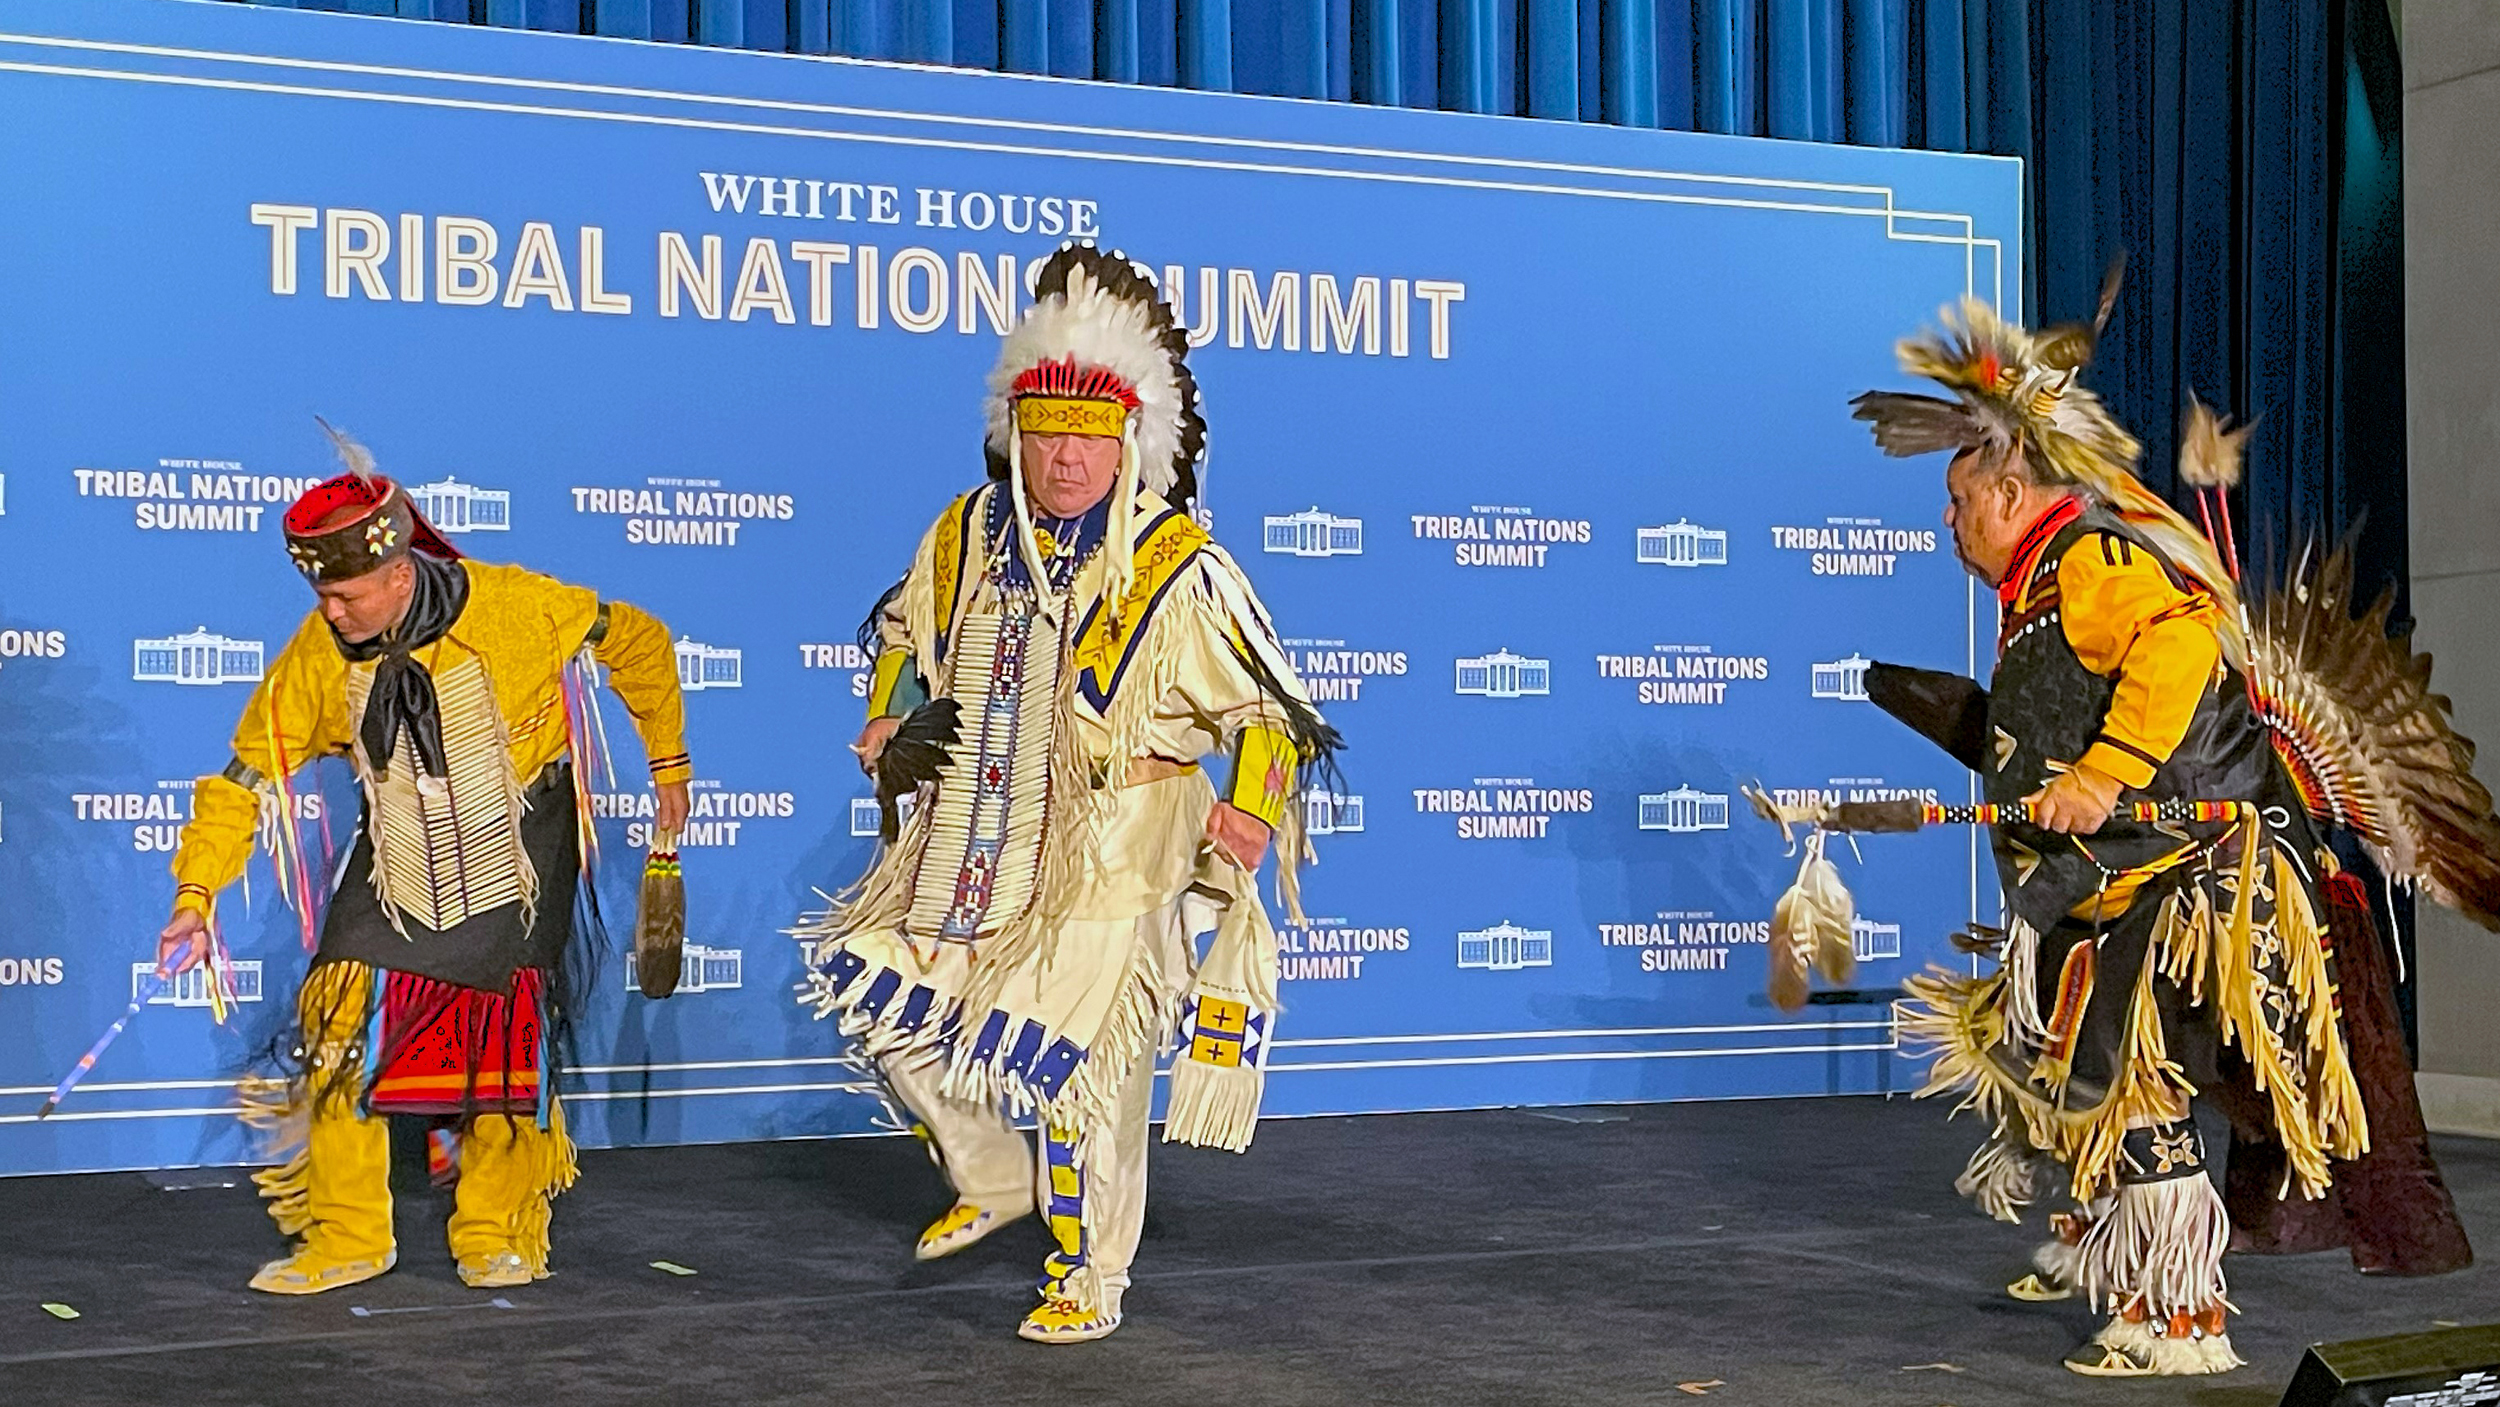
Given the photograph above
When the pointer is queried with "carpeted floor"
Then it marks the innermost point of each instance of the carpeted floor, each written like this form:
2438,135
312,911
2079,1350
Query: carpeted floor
1790,1253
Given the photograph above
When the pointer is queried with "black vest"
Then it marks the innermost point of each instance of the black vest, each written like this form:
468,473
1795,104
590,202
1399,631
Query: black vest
2044,705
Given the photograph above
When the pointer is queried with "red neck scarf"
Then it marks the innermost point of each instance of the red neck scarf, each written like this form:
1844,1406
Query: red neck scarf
2034,541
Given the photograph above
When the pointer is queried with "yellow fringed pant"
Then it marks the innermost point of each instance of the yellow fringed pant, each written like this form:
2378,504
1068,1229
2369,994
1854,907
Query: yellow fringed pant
335,1192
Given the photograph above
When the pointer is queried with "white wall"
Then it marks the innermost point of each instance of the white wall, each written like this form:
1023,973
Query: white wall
2452,368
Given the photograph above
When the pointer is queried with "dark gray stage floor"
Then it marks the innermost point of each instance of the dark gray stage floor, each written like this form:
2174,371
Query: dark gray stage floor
1801,1252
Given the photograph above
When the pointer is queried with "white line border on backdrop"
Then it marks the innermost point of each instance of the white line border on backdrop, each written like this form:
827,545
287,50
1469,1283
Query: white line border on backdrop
851,1087
1895,218
1900,225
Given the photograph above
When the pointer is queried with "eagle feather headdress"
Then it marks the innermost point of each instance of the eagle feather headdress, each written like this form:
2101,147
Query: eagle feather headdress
1098,354
1096,311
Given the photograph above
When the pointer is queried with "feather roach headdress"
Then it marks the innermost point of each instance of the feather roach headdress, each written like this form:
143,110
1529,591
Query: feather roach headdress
1098,354
2018,392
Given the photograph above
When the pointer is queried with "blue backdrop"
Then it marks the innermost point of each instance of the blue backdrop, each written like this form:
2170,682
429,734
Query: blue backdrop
1533,437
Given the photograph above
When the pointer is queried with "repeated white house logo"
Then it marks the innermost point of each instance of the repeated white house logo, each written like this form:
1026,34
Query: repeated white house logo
1332,813
1684,811
701,666
197,657
1312,533
1679,544
705,970
1503,675
865,821
191,988
1871,940
1842,678
1506,947
456,507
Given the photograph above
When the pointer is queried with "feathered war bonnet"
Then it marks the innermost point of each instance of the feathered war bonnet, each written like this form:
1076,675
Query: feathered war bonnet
2018,393
344,527
1098,354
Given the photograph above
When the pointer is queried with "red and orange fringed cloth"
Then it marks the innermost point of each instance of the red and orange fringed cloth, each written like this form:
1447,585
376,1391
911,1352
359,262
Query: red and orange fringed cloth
450,1049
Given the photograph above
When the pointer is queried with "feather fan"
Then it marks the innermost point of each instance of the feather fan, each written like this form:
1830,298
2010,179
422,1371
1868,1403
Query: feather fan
915,756
660,920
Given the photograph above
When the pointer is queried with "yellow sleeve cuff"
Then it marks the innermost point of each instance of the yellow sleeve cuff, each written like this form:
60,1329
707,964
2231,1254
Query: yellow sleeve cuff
677,768
2127,767
891,687
1263,766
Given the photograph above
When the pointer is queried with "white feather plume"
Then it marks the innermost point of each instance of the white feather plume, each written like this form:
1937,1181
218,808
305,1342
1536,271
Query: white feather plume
350,450
1098,328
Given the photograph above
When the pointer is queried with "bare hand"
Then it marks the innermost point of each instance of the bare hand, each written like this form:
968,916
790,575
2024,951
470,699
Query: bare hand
2075,802
872,741
673,807
187,934
1239,836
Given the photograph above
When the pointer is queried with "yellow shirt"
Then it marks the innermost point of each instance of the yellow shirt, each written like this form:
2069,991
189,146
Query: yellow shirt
523,626
2131,624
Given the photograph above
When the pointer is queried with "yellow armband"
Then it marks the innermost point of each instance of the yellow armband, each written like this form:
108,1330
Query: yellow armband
1263,766
895,688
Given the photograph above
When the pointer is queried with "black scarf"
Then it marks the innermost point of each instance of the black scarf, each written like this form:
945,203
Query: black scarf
403,693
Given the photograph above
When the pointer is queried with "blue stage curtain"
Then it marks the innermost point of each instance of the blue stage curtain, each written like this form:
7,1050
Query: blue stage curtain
2243,153
2245,156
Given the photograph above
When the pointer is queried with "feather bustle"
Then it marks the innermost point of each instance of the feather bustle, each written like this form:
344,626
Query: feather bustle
2370,746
